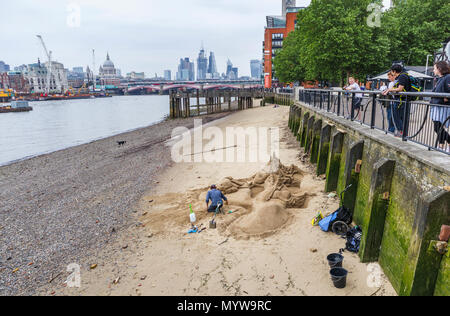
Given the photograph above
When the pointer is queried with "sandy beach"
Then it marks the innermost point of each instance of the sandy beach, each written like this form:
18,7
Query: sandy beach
264,243
67,206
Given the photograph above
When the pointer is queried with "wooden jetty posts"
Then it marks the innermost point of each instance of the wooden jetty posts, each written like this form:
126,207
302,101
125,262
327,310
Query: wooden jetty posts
185,104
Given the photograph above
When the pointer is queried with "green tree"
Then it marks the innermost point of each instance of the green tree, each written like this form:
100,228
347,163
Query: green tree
287,65
416,28
336,40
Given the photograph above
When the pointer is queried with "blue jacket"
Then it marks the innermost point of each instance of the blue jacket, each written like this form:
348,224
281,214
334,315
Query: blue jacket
216,197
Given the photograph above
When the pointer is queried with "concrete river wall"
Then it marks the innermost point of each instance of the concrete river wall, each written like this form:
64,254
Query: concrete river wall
399,196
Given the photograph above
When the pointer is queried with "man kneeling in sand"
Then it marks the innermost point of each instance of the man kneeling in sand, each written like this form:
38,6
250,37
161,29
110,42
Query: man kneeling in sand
216,197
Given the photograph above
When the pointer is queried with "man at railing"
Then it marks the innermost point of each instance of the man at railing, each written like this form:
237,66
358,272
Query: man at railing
403,85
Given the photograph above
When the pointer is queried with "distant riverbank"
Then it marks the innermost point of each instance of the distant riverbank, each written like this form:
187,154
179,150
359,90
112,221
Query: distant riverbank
60,207
56,125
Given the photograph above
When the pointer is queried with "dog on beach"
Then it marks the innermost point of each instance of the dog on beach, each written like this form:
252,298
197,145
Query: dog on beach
122,143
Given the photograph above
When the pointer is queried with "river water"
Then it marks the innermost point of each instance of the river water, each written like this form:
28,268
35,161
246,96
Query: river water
55,125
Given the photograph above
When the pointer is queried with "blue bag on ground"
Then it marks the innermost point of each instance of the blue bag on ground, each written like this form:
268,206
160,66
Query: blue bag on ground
325,224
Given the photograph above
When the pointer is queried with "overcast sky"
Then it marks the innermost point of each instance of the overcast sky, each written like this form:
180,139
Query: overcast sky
140,35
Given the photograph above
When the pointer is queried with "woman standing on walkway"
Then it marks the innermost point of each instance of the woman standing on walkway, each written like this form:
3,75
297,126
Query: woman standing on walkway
440,112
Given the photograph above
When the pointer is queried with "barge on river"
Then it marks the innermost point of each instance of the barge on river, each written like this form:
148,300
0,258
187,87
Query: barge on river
16,106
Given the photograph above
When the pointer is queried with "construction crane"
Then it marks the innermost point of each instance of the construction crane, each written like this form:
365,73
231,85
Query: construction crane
93,70
49,65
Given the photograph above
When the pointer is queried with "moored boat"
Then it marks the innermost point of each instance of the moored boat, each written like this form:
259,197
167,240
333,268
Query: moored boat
16,106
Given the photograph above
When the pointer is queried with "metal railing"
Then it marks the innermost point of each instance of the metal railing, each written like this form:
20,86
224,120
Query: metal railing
408,115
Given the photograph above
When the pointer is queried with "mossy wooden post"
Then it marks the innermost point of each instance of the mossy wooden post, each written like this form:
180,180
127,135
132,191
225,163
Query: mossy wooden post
171,106
324,148
376,210
298,123
177,107
334,161
423,261
351,176
309,134
315,141
442,287
229,101
293,122
304,129
291,127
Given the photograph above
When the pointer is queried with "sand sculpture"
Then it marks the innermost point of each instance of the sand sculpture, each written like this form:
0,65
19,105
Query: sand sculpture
261,205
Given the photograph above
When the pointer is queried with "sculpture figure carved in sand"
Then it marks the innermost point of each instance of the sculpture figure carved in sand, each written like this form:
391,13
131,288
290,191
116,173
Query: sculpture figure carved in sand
261,205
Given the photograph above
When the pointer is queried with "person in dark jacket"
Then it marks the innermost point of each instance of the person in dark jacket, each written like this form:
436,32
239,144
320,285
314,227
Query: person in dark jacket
403,84
440,114
216,197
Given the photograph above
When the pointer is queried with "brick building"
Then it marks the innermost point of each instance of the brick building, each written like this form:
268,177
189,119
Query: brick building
277,28
15,81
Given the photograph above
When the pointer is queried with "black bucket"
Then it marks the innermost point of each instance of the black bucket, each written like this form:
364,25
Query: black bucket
339,277
335,260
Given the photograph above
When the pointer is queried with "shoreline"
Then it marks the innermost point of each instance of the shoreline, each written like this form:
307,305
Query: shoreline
60,207
90,142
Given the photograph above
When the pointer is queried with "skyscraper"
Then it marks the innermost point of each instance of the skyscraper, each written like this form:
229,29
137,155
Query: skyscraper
288,4
229,68
167,75
4,67
202,65
212,68
256,69
232,72
186,70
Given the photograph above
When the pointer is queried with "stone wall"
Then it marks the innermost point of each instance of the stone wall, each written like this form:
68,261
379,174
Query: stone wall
395,190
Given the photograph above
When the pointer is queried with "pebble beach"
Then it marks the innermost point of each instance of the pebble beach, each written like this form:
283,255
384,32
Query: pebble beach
57,208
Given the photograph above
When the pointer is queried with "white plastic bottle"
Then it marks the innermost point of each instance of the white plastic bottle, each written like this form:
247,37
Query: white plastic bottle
192,216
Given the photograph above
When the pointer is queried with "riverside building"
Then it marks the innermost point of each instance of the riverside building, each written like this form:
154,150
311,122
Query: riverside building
276,30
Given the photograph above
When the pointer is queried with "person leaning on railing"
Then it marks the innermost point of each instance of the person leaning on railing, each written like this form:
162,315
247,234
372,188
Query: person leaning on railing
403,84
440,115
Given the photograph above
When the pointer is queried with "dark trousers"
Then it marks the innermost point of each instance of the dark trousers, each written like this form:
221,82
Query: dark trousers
213,208
390,117
398,114
443,136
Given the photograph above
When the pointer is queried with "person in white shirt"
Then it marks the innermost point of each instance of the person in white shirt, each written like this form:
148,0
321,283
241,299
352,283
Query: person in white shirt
357,100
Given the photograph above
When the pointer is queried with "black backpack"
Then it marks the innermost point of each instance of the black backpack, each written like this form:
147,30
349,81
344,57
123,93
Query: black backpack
354,239
415,87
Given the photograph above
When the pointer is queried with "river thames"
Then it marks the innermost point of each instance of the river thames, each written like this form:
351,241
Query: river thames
56,125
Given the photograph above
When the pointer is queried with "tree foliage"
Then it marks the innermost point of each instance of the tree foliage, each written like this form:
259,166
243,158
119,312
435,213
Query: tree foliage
333,39
416,28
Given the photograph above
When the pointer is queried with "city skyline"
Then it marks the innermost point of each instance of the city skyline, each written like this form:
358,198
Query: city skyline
137,33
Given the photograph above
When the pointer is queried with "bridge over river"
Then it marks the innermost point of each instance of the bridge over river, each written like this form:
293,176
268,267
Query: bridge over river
166,87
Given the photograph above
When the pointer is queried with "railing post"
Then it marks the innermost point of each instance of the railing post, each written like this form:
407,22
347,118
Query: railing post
339,103
353,107
321,101
406,120
374,110
329,101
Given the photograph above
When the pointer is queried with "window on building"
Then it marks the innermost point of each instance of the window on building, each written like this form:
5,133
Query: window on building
277,43
277,36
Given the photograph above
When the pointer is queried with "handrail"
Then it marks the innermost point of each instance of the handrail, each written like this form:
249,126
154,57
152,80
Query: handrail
371,92
419,121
